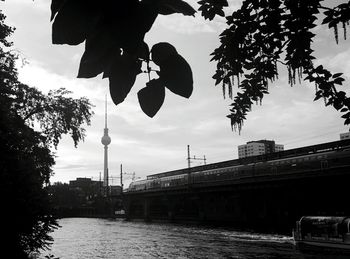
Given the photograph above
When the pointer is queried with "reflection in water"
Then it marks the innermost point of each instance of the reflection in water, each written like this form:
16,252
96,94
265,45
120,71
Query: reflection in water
84,238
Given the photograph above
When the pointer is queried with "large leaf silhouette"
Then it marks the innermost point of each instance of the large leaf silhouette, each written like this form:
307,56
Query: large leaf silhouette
166,7
151,97
122,75
161,51
130,25
99,49
175,72
56,5
73,22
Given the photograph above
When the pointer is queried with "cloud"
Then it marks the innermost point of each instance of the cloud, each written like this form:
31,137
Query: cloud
338,63
35,74
193,25
184,24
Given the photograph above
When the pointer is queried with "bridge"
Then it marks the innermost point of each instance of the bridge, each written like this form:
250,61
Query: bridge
265,193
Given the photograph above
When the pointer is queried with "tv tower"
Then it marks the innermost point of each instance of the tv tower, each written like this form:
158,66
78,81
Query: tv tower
105,140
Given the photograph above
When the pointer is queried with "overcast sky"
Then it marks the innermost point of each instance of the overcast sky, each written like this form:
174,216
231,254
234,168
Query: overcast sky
151,145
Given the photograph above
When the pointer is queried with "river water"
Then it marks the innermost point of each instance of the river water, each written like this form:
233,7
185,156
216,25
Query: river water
85,238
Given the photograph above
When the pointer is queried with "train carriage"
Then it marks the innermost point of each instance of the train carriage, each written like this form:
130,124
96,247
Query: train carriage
303,160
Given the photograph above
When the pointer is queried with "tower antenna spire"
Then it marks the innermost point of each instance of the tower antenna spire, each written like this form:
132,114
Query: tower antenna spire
106,111
106,140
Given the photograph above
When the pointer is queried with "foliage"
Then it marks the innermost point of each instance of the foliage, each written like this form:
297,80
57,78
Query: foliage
55,112
114,33
260,36
82,198
63,196
26,158
211,8
265,33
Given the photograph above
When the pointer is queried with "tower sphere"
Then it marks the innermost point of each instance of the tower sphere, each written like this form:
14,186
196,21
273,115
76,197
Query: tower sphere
106,140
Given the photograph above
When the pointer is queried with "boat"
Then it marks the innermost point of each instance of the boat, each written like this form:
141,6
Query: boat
316,232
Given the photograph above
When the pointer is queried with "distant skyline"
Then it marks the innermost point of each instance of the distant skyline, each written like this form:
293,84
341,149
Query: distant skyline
146,145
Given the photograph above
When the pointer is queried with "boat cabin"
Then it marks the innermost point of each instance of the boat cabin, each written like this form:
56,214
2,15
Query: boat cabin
333,229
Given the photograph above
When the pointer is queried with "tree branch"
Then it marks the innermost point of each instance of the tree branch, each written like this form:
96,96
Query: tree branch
30,114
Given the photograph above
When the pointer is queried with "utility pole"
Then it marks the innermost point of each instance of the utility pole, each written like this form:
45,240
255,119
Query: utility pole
100,185
107,183
189,158
121,176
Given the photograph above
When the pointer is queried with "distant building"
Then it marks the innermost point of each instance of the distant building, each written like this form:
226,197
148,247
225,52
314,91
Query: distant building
344,135
259,147
86,186
115,190
279,147
90,188
83,183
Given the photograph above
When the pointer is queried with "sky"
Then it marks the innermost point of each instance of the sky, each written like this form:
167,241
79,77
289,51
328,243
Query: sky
146,145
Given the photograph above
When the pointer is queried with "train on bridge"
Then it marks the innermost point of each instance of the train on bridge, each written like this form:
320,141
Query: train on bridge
306,159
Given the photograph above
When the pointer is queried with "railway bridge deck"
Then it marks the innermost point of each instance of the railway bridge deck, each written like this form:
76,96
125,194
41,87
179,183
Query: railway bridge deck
265,195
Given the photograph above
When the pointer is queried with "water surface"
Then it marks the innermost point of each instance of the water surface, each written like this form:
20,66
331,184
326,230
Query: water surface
85,238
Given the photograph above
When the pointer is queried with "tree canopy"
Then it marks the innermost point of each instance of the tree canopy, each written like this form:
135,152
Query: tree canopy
264,34
26,156
261,36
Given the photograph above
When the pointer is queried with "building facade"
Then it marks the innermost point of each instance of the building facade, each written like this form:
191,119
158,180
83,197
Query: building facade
89,188
279,147
86,187
259,147
344,135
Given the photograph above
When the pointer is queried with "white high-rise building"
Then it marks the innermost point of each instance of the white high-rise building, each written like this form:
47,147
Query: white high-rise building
344,135
251,149
279,147
259,147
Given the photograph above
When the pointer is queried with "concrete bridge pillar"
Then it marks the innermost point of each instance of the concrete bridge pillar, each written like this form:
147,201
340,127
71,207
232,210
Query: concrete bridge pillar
170,207
146,210
126,206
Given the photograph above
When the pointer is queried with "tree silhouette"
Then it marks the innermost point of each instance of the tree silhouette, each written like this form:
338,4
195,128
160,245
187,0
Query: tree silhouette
264,34
261,36
26,157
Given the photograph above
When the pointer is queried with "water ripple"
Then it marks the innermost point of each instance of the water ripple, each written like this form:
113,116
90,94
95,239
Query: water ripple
84,238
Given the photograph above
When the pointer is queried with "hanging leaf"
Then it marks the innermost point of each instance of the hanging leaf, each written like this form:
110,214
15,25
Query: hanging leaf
55,7
210,8
131,25
176,74
147,15
138,25
161,51
99,49
143,51
122,75
151,98
74,22
167,7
